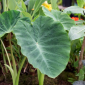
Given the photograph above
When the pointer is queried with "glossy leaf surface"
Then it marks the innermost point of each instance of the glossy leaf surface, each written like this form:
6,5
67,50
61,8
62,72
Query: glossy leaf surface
63,18
45,43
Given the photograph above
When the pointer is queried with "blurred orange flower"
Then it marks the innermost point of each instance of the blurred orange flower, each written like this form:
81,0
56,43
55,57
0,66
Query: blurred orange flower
75,18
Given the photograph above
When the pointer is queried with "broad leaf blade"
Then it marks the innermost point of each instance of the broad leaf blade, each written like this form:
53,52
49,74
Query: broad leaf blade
63,18
45,43
77,32
8,21
75,9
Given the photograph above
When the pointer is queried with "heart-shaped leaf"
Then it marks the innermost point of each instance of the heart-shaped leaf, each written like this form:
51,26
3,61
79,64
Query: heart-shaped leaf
63,18
45,43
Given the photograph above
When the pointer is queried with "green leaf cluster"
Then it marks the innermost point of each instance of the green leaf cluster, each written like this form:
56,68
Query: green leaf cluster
44,42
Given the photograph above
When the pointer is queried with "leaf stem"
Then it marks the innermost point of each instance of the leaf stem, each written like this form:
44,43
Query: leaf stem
81,55
7,4
40,77
4,5
13,60
17,79
4,58
6,52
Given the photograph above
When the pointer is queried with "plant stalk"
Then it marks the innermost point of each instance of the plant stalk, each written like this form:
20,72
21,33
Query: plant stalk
18,75
4,58
7,5
40,77
81,55
4,5
6,53
13,60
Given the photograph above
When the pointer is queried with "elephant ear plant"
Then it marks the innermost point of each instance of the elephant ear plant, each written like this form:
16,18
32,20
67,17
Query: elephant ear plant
44,42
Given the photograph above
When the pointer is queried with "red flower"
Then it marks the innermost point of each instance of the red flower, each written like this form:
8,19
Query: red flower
75,18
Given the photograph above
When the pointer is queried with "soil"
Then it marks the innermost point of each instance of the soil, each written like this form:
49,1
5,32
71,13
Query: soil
27,79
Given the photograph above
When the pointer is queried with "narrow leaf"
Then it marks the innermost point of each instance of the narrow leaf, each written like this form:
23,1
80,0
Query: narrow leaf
37,5
31,5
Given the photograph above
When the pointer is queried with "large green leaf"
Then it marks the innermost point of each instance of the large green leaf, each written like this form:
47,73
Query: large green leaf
45,43
77,32
75,9
63,18
7,21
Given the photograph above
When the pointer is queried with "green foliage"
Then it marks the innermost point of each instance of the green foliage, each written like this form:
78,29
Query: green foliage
80,3
40,42
77,32
81,74
54,4
41,39
75,10
44,41
61,17
37,5
17,5
10,19
31,5
7,21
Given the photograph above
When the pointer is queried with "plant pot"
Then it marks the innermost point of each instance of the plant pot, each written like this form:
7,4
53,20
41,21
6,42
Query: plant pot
66,3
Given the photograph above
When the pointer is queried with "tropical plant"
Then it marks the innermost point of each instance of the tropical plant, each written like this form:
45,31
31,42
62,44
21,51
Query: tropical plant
43,39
